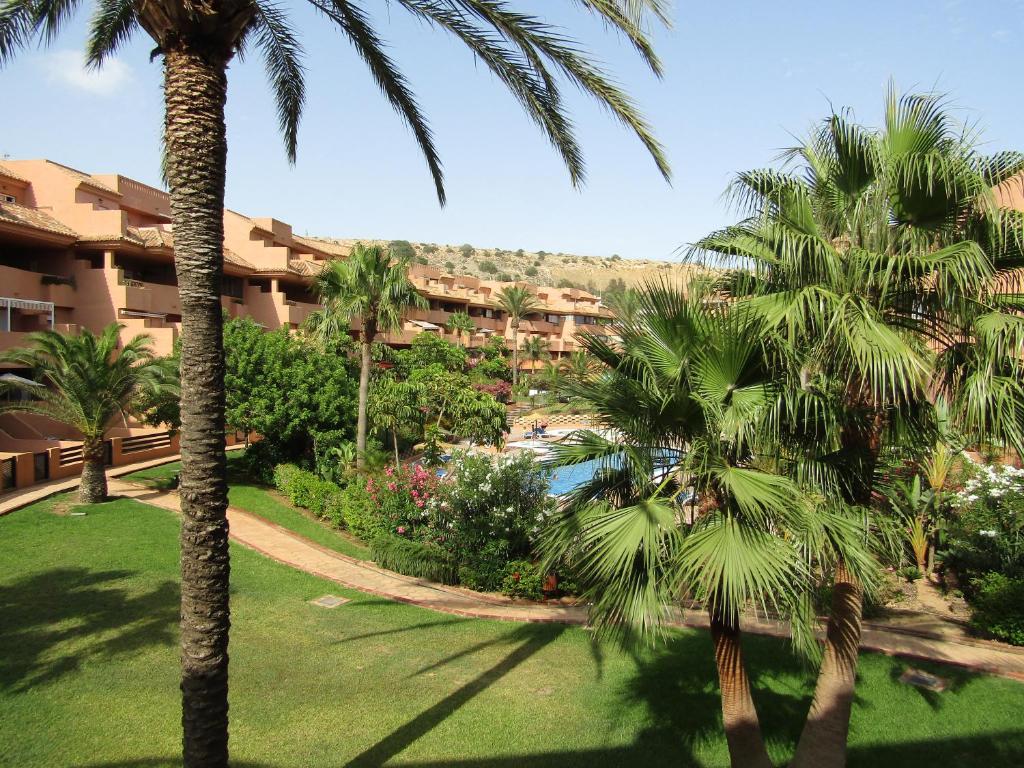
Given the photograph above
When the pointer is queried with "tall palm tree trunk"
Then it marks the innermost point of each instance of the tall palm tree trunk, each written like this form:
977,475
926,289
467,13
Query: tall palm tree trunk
365,362
739,716
195,90
93,487
515,355
823,741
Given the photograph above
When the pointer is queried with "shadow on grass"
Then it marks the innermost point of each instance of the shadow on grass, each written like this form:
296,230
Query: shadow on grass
996,750
52,622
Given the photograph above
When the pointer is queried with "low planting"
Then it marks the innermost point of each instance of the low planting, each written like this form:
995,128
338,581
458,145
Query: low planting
984,552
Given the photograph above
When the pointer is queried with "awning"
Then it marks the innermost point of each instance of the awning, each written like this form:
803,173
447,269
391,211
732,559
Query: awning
140,313
42,306
485,331
425,325
14,378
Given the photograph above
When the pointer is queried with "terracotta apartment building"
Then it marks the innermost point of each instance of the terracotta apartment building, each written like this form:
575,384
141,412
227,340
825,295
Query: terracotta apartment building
81,251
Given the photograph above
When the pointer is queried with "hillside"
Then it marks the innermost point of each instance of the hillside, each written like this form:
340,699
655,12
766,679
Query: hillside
539,267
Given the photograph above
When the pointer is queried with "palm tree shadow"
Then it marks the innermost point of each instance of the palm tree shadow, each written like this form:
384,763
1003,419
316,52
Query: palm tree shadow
86,610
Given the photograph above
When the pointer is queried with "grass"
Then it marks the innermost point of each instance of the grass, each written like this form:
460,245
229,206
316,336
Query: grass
247,495
89,674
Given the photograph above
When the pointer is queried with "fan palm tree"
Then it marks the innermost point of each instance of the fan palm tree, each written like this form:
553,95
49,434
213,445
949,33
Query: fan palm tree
392,405
685,500
462,324
372,285
536,349
881,256
518,302
86,383
197,42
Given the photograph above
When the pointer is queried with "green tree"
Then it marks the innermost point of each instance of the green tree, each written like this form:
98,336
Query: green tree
463,324
518,303
403,249
87,382
488,267
880,257
394,404
536,348
429,349
285,388
373,286
686,498
466,250
197,43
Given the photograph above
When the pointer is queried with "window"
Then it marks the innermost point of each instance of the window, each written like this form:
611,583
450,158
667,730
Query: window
10,199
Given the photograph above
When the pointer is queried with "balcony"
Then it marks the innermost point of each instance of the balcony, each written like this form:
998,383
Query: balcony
151,297
34,286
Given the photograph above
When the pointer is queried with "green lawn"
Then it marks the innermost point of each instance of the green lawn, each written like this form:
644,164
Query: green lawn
89,666
258,500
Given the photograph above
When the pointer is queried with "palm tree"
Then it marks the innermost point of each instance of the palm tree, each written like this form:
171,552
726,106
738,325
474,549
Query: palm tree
685,499
86,383
579,365
393,404
462,324
881,258
197,42
536,348
623,304
372,285
518,302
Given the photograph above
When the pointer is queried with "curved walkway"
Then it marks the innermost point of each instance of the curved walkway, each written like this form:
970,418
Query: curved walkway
298,552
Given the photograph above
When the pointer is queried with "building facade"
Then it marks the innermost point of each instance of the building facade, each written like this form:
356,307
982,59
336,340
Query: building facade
79,250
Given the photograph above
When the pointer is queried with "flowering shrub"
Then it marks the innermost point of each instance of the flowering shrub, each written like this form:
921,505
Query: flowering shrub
988,527
488,513
499,390
481,501
400,497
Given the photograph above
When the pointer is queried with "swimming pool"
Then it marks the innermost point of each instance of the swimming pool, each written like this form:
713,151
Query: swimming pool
566,479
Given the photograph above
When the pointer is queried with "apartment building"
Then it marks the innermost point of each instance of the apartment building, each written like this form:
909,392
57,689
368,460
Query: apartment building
79,250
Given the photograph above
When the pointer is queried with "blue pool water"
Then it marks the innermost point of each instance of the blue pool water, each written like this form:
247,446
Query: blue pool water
566,479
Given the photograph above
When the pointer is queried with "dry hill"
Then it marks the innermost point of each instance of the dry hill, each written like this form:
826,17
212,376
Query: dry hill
539,267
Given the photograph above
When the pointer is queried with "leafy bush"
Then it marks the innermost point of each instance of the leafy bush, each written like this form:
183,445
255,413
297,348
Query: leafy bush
481,502
484,569
987,529
449,266
494,368
531,271
911,573
358,510
466,250
521,578
400,497
304,489
403,249
499,390
414,558
998,607
488,266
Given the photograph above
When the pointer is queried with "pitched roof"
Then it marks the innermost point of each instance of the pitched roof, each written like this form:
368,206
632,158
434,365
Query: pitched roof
13,213
5,171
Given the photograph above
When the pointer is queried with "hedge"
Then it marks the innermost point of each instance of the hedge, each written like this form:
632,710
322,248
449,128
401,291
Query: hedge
414,558
305,489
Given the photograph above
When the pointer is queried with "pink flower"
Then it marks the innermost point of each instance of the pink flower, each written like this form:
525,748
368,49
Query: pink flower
415,494
389,471
419,504
401,530
392,487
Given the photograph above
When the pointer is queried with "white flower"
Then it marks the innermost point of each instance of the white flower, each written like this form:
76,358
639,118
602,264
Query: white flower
990,534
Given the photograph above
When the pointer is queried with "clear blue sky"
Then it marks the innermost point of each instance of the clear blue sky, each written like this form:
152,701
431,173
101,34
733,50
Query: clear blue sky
741,78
